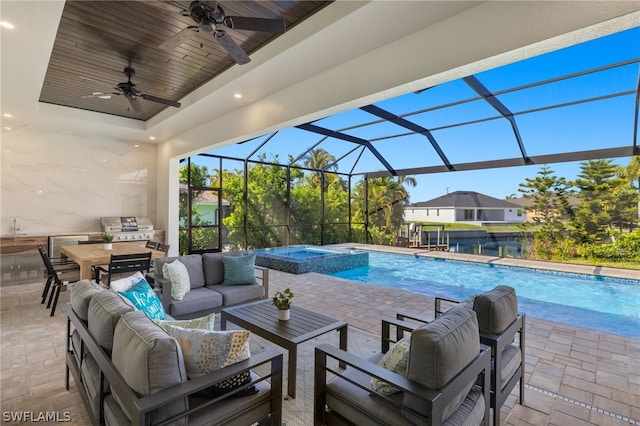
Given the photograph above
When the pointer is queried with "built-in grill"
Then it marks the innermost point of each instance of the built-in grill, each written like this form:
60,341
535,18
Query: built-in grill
128,228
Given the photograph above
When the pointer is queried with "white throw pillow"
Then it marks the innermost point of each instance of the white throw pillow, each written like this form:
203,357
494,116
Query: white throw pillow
124,284
179,277
396,360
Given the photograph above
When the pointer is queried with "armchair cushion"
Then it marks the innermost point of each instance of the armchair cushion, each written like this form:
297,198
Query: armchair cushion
179,277
439,351
496,309
239,270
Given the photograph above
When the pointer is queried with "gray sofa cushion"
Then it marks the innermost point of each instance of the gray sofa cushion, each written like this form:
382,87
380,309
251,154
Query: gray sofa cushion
198,299
149,360
91,382
192,262
511,360
234,294
496,309
105,310
213,268
439,351
80,296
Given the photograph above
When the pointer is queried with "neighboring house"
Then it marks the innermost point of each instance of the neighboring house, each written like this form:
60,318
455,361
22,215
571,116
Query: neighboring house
527,203
465,207
205,205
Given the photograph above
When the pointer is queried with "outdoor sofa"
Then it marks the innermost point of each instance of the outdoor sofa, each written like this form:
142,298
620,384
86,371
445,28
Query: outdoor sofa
215,281
130,371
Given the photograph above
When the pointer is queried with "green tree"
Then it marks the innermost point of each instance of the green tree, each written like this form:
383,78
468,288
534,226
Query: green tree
608,199
632,171
550,205
386,200
197,177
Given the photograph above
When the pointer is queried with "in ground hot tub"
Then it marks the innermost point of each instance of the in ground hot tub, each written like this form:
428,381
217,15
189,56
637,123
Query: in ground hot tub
303,259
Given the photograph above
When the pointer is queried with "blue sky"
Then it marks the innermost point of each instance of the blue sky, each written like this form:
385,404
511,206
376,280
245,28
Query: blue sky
593,125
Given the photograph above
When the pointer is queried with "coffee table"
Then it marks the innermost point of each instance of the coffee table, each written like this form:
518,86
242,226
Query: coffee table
261,318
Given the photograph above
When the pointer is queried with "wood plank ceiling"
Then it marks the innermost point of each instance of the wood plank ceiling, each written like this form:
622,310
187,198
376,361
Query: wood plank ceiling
96,40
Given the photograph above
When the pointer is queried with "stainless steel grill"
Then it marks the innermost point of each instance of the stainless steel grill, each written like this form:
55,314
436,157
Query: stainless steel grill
128,228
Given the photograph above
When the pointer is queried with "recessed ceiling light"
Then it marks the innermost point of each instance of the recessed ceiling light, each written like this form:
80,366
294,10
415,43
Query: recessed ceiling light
238,95
153,138
7,115
136,146
7,128
5,24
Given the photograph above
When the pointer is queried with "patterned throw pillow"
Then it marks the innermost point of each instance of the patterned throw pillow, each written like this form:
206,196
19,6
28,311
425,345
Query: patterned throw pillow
239,270
142,296
205,351
205,323
396,360
179,277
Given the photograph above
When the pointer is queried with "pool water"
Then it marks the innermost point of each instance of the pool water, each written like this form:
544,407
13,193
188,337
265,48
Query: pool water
604,304
298,252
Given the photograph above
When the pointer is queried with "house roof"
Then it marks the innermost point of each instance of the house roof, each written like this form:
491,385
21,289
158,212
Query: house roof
466,199
528,202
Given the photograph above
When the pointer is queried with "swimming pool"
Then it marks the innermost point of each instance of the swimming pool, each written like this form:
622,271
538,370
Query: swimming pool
301,259
604,304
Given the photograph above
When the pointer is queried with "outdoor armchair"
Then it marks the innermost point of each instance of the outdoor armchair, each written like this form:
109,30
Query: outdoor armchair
446,382
501,327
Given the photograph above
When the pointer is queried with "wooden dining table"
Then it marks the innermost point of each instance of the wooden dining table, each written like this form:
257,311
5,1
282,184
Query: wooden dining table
88,255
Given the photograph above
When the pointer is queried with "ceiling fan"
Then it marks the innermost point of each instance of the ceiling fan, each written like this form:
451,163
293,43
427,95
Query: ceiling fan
129,91
210,18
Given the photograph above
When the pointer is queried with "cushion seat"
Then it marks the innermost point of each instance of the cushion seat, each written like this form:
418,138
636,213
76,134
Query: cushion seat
233,295
198,299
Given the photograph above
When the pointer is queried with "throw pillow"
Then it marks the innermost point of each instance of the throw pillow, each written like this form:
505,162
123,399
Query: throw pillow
396,360
239,270
179,277
205,351
124,284
205,323
145,299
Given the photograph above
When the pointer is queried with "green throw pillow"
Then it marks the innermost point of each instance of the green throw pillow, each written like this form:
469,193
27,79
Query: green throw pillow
142,296
179,277
239,270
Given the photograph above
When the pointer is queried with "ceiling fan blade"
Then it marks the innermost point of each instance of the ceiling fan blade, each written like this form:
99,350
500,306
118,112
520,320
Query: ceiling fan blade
135,104
231,47
102,83
256,24
179,38
160,100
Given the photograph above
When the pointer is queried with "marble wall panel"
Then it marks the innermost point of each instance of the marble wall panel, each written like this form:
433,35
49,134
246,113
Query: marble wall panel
55,183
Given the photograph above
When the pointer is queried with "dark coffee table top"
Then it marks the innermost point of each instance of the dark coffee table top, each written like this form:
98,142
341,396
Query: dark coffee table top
262,318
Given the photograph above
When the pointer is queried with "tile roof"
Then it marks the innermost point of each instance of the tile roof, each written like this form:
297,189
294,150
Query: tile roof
466,199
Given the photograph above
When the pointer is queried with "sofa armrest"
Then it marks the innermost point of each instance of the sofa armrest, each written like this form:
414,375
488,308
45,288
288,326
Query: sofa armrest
262,275
165,291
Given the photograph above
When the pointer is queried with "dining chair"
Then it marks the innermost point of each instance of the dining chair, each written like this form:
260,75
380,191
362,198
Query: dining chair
121,264
163,247
54,266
